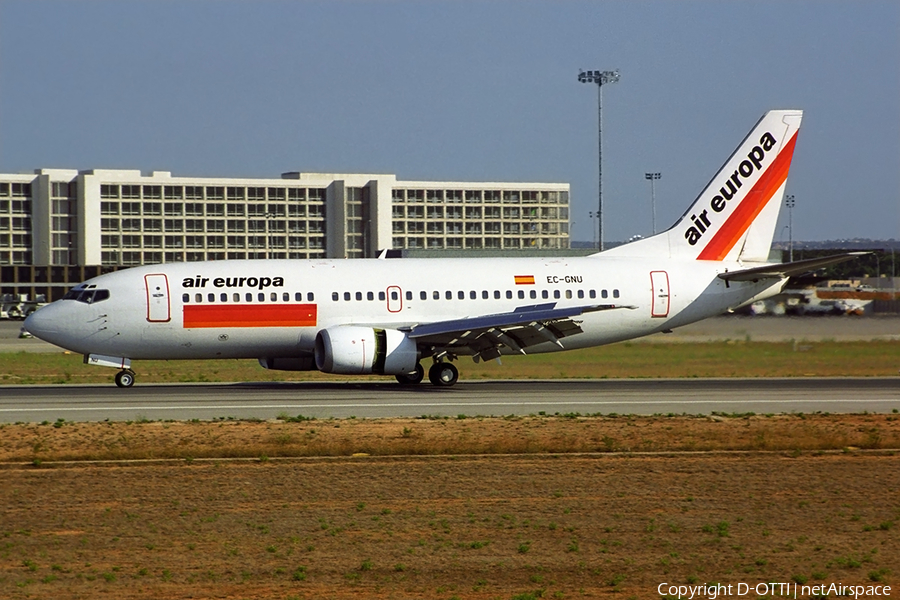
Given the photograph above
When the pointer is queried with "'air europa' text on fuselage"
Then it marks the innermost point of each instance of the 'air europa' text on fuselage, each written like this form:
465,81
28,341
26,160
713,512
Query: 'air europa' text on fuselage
230,282
753,162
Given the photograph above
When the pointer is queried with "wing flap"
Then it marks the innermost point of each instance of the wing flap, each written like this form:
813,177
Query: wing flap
526,326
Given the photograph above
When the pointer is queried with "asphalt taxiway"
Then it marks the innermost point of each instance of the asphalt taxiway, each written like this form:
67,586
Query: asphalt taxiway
383,400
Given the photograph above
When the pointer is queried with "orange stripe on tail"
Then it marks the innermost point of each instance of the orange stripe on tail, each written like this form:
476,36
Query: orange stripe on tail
739,221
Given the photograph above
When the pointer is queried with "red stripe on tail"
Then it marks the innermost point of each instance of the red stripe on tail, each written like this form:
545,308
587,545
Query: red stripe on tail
739,221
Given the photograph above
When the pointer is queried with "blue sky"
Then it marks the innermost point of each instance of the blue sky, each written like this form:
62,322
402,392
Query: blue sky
483,91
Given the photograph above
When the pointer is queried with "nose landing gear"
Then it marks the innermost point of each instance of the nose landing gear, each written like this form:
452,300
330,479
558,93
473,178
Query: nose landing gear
125,378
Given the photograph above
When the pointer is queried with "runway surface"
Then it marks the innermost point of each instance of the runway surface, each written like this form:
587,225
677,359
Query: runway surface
381,400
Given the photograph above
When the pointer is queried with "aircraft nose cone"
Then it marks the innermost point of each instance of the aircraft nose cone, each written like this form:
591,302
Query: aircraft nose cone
42,324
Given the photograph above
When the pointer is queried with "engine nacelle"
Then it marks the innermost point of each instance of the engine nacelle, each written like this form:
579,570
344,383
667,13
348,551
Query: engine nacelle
353,350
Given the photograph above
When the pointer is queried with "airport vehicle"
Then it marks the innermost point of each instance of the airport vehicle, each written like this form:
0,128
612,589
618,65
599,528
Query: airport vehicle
386,316
18,306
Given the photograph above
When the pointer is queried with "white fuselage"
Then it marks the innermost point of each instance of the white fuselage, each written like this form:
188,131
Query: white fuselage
152,311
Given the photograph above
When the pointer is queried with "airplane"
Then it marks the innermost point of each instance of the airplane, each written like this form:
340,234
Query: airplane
386,316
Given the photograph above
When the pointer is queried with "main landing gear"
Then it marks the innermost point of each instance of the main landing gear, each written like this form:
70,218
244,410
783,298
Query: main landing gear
441,374
125,378
412,378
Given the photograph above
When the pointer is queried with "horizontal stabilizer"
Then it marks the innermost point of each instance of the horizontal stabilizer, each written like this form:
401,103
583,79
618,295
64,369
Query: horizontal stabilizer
790,269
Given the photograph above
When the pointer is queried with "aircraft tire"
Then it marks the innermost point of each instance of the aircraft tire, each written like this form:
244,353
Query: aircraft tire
125,379
443,374
412,378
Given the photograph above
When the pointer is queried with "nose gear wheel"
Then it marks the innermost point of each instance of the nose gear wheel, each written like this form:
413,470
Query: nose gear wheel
125,378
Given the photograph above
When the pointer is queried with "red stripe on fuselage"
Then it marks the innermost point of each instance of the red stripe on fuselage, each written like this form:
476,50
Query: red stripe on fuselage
739,221
249,315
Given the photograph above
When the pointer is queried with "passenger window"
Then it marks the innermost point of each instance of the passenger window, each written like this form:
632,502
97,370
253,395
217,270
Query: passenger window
449,295
298,297
236,297
186,298
593,294
509,294
310,297
533,294
285,296
198,297
223,297
382,296
461,295
484,294
370,296
581,293
211,297
568,294
521,294
496,294
545,294
262,297
436,295
358,296
346,296
556,294
615,293
248,297
409,295
395,296
273,296
334,296
423,295
604,294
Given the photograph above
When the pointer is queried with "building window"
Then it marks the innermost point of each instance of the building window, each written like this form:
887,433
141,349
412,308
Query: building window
131,191
174,192
152,192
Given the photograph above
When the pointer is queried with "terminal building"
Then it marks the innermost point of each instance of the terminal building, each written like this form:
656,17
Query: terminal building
59,227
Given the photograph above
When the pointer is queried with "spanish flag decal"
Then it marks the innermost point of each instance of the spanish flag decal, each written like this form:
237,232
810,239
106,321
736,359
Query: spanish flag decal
524,279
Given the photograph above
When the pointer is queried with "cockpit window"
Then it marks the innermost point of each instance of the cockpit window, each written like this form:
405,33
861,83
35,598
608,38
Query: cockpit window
88,296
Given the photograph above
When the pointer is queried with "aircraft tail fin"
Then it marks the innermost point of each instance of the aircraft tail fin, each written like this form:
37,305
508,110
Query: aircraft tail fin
735,216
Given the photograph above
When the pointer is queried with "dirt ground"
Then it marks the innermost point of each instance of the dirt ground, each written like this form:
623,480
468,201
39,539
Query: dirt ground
528,524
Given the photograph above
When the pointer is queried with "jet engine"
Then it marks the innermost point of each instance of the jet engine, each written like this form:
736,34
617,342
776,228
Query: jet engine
354,350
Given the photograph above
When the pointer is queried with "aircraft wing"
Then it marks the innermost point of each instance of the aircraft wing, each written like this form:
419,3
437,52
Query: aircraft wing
526,326
782,270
